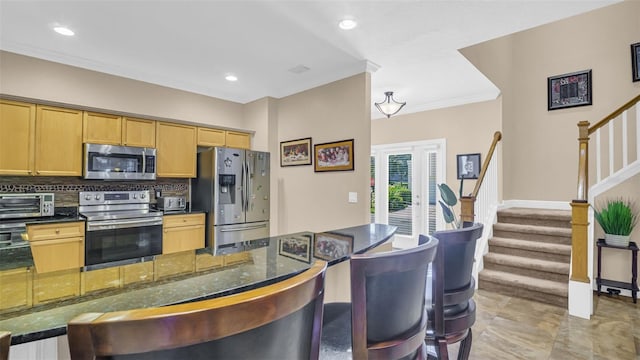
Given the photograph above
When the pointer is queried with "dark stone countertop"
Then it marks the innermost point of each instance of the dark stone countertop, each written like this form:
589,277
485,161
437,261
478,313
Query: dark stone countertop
269,263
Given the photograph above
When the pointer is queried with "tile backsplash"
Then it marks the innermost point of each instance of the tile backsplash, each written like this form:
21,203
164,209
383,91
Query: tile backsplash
66,189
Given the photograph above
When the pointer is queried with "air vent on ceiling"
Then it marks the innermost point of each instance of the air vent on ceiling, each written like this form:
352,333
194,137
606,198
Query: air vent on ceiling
299,69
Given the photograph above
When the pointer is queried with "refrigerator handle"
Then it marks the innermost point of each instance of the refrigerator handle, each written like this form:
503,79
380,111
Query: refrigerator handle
249,183
245,169
242,188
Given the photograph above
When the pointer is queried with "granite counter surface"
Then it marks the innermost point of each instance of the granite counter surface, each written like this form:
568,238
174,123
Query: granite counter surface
272,260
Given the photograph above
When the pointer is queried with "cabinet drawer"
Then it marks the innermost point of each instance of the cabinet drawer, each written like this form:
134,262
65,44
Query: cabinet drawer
59,254
55,231
171,221
182,239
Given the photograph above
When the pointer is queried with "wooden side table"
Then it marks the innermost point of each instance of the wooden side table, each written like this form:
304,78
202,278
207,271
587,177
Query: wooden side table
633,285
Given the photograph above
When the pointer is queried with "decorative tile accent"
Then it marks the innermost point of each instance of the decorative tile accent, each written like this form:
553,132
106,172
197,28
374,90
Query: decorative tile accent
66,189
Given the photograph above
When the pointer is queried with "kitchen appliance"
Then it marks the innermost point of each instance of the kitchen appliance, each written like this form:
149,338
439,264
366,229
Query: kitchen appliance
171,203
112,162
232,187
15,208
121,228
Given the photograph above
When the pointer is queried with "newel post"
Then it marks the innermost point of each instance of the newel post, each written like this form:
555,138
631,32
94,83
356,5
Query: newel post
467,208
580,210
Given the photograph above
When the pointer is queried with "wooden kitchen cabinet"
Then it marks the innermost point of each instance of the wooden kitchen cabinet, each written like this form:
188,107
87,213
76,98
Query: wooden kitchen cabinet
211,137
182,233
54,286
176,146
101,279
58,141
16,288
235,139
57,246
17,137
101,128
138,132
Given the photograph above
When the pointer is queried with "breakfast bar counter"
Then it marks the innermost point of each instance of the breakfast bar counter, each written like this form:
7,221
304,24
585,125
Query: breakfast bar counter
267,261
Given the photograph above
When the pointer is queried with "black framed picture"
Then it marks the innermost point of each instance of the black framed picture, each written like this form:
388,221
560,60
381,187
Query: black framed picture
569,90
295,152
635,61
468,166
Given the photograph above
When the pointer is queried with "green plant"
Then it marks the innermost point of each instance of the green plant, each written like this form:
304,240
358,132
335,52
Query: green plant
617,217
449,200
399,196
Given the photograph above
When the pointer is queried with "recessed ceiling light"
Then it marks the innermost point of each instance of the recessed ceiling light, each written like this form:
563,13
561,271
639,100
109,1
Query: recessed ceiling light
231,78
62,30
347,24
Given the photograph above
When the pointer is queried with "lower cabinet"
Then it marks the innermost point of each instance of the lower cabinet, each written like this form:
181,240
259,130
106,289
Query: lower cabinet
15,288
182,233
137,273
102,279
58,246
55,286
174,264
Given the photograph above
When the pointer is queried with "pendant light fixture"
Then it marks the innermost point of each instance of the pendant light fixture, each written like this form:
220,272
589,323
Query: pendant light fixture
389,106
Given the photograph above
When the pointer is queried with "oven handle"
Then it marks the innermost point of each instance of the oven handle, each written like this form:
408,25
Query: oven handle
122,224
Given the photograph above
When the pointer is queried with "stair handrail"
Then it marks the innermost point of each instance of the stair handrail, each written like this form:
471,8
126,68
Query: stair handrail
467,203
580,206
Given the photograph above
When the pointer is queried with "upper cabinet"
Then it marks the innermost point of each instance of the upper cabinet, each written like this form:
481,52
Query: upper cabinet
116,130
211,137
58,141
176,146
138,132
236,139
17,137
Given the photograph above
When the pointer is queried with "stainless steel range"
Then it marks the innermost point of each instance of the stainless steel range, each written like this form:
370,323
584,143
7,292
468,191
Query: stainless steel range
15,209
121,228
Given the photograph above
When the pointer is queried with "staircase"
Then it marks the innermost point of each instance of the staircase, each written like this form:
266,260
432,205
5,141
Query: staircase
529,255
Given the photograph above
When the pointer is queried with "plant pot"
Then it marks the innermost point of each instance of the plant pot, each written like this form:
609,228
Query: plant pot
617,240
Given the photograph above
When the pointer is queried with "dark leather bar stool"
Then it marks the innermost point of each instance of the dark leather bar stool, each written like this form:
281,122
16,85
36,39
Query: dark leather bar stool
386,318
279,321
5,344
450,304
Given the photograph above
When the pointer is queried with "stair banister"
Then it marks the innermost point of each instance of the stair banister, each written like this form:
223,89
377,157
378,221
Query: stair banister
467,203
580,206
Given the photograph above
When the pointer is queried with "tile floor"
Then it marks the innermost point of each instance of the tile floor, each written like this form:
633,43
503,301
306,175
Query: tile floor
512,328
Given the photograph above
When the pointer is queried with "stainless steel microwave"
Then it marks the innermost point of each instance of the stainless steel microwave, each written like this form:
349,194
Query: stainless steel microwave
112,162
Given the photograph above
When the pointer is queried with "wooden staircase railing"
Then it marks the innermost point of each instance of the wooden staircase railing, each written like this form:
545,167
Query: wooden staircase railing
580,206
467,203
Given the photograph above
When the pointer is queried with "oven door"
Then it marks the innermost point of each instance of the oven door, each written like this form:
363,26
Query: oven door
117,242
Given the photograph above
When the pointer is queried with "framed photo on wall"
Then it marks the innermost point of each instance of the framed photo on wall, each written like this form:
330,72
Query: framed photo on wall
334,156
468,166
569,90
295,152
635,61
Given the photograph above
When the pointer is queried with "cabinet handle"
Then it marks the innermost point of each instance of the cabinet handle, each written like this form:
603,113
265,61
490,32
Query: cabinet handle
57,231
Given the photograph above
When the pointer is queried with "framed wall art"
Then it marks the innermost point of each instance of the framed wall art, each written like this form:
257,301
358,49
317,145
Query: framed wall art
635,61
569,90
296,247
329,246
333,156
295,152
468,166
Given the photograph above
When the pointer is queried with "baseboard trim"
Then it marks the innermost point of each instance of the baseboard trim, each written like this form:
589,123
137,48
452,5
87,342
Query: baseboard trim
536,204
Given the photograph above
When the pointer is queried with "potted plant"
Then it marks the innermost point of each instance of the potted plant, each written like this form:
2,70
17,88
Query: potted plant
617,218
448,202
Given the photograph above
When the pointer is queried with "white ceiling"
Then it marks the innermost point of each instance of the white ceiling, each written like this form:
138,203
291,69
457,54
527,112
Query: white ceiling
192,45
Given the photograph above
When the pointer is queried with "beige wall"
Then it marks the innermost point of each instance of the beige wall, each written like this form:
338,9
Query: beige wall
28,77
538,142
466,128
333,112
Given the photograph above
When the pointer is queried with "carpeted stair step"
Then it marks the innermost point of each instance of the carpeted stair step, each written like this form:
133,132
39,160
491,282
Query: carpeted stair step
541,269
550,292
537,217
530,249
530,232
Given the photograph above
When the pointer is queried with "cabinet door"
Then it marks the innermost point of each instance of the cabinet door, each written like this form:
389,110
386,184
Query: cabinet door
236,139
15,289
138,132
176,144
58,142
182,239
101,128
17,137
60,254
211,137
55,286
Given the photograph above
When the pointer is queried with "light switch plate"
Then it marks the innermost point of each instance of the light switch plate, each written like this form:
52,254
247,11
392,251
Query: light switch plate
353,197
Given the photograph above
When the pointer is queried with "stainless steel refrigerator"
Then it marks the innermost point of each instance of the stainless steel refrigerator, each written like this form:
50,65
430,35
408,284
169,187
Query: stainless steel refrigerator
232,186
